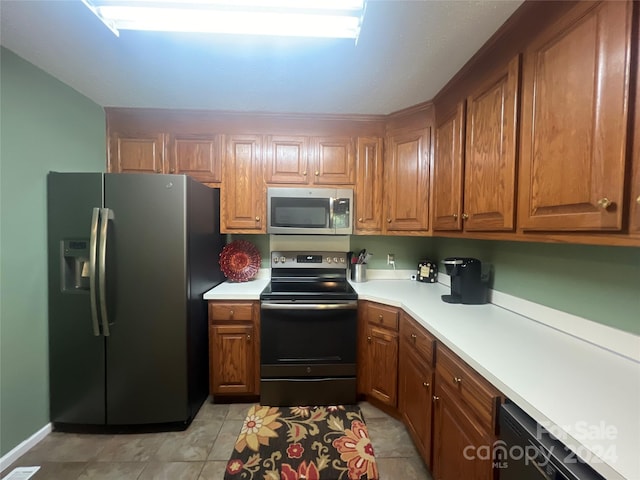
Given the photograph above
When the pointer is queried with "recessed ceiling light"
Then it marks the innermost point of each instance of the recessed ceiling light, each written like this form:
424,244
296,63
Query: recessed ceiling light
298,18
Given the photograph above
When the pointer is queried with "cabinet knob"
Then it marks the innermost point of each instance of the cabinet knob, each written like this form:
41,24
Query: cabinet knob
257,219
435,398
414,337
172,170
465,216
425,384
360,219
457,380
638,200
369,339
248,337
304,173
455,216
604,203
388,220
317,173
380,317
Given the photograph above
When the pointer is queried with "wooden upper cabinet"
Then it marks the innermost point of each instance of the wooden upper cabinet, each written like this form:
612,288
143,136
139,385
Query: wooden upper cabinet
333,161
447,172
407,182
574,121
136,152
243,188
286,159
634,211
490,152
197,156
369,173
309,160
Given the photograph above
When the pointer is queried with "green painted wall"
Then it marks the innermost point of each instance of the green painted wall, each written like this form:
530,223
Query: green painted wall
44,125
594,282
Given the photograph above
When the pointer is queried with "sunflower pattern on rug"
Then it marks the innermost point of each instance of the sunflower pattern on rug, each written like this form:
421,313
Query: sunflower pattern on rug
303,443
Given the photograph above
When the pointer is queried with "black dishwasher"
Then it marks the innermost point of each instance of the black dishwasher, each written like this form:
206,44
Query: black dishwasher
529,452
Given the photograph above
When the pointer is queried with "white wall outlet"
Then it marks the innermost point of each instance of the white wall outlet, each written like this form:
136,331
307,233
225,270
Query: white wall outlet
391,259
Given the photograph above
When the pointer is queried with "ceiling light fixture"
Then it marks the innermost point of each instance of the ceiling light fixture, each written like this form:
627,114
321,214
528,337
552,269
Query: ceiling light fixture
298,18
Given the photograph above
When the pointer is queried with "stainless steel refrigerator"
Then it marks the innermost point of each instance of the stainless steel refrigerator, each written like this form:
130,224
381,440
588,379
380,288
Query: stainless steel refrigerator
130,256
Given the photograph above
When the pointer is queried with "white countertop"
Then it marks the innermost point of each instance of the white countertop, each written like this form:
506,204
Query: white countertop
585,394
238,290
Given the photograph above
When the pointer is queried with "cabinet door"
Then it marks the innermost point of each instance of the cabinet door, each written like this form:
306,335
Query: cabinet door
415,384
199,157
573,140
369,185
447,172
136,153
286,160
243,190
383,362
490,155
232,359
333,161
407,182
457,439
634,212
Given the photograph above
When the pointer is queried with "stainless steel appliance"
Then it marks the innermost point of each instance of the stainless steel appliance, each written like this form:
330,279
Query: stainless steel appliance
529,452
130,256
308,322
469,283
312,211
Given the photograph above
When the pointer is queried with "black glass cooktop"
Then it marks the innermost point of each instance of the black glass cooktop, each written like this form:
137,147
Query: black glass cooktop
313,290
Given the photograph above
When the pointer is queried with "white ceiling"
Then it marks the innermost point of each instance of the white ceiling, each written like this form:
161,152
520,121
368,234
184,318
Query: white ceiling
406,53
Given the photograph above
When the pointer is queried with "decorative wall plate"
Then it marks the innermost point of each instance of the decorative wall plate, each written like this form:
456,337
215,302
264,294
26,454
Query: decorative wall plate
240,261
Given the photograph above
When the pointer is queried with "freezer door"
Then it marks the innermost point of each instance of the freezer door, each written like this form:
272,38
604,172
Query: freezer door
76,348
146,290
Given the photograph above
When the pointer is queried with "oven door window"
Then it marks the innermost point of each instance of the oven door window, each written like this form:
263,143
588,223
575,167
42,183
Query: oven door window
300,212
308,336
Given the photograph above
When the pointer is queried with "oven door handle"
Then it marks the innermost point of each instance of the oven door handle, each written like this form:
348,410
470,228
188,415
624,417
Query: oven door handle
337,305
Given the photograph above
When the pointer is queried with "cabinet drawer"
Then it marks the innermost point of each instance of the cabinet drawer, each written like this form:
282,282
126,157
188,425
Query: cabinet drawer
241,311
417,338
471,388
383,316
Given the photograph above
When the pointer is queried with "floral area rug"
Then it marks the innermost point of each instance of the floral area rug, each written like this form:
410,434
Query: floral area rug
303,443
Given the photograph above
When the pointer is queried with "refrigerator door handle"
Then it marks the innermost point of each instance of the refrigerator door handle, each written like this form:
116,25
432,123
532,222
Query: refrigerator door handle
93,293
106,214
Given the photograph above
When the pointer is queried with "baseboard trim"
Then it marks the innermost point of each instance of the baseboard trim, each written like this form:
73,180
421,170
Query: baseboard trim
24,447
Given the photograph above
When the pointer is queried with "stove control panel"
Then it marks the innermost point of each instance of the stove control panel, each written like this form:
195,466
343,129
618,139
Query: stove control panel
309,260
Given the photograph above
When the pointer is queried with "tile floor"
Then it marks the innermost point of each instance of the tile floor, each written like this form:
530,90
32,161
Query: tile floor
199,453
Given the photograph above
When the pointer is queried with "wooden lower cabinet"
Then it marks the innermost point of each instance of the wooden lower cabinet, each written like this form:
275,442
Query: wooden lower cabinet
465,410
233,348
415,387
458,438
383,361
378,369
415,383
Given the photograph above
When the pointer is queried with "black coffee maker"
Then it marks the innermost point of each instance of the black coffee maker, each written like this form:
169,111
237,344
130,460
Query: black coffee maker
468,284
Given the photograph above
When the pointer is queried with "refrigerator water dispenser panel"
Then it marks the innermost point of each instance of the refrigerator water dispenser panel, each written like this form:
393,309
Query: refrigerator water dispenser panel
74,264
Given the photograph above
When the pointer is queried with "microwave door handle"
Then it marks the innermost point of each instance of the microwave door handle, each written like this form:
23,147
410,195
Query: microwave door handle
331,213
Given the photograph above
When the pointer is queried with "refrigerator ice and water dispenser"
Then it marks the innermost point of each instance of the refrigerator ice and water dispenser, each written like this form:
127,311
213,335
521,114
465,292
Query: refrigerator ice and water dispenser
74,265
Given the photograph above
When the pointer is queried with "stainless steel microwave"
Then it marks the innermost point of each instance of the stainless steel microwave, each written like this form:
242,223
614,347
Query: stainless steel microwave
310,211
